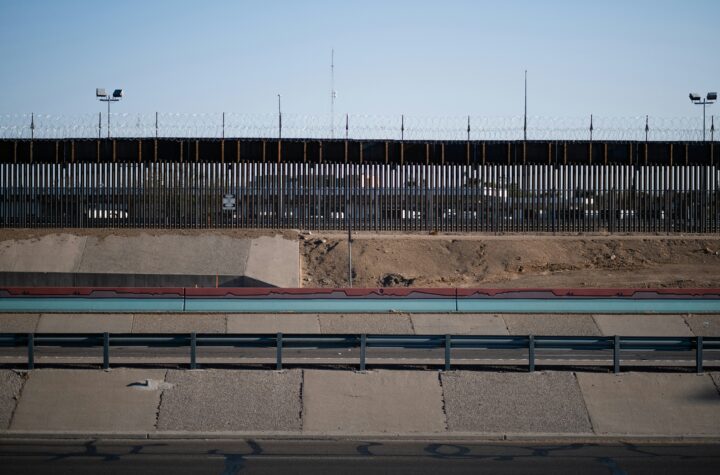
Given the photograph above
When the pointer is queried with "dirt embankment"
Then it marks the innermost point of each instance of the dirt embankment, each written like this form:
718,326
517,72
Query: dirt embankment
513,261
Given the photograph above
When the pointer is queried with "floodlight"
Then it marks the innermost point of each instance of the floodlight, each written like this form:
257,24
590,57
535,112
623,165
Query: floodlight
694,96
100,92
118,93
712,96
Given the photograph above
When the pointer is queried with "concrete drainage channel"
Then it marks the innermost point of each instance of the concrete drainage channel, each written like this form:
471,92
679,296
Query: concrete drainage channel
381,300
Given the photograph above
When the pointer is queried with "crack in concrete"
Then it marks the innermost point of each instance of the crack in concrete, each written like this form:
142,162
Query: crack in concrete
300,396
25,376
164,388
442,400
587,412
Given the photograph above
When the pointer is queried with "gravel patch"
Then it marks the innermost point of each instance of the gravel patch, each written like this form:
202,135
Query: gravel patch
10,385
704,325
390,324
642,325
225,400
18,322
154,323
551,324
539,402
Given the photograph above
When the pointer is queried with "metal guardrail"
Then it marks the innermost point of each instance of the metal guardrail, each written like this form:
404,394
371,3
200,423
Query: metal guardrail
532,344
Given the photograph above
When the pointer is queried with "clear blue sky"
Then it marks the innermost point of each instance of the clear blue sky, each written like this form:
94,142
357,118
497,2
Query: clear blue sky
441,58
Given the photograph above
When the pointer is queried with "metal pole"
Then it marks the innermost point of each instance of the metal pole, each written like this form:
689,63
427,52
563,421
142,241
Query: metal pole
279,120
703,103
108,127
402,127
699,354
468,129
106,350
591,127
99,125
31,351
448,342
193,350
363,346
278,365
531,353
332,94
223,126
647,128
32,126
156,125
346,126
525,113
616,354
348,221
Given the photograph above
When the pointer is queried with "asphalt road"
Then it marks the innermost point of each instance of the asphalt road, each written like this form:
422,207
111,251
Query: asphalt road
350,356
184,457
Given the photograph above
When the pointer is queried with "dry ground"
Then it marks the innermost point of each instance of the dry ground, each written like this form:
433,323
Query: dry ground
513,261
447,260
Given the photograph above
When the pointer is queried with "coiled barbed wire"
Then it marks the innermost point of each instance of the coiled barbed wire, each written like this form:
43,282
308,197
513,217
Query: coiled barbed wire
365,127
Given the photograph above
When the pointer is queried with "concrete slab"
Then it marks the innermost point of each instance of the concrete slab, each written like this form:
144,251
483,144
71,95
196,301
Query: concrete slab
642,325
375,401
716,379
49,253
704,325
393,323
551,324
88,400
178,323
271,323
85,323
274,260
652,403
458,324
232,401
205,254
18,322
514,402
11,384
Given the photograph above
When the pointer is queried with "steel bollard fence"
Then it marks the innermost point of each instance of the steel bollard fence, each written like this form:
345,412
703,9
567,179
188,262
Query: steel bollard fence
279,352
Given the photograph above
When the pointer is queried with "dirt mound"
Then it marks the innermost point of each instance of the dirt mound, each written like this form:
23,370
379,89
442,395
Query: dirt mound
514,261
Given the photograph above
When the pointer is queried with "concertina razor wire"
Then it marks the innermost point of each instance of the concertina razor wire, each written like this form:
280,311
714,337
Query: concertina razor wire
363,127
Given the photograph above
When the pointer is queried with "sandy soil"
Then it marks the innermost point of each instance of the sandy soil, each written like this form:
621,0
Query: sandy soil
470,260
513,261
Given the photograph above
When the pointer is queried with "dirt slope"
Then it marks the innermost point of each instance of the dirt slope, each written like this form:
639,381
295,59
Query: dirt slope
513,261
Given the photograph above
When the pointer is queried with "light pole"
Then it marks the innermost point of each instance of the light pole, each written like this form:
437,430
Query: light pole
105,97
709,99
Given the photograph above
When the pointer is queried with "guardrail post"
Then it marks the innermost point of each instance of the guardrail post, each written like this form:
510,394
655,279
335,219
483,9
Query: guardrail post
531,353
193,350
363,345
31,351
279,352
106,350
699,354
616,355
448,342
